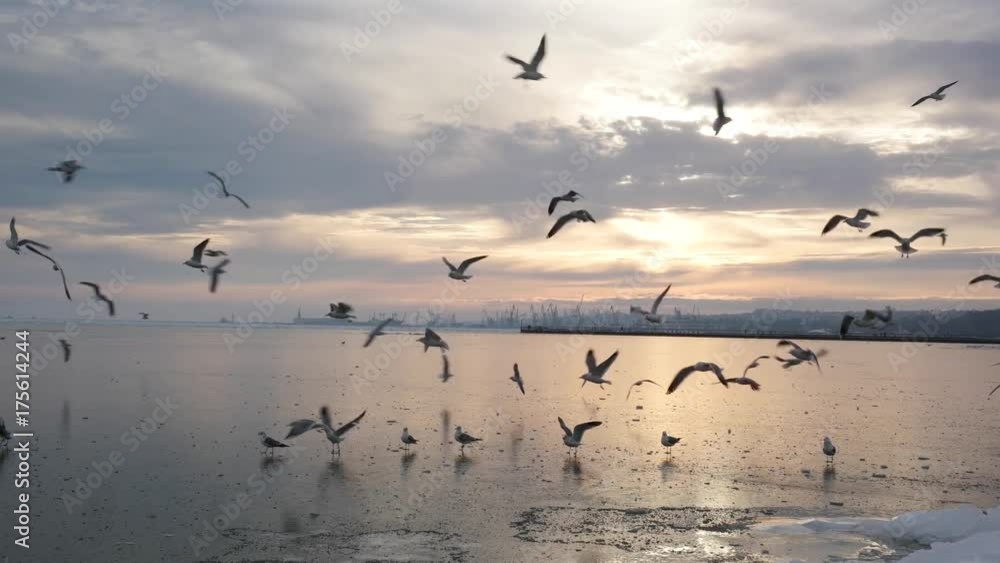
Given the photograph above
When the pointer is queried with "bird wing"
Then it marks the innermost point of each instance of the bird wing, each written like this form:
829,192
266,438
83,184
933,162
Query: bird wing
25,242
866,213
344,307
920,101
560,223
449,264
845,325
518,61
719,103
553,203
928,232
754,364
13,231
3,427
564,427
789,343
199,250
241,200
656,304
602,368
301,426
591,361
272,443
66,350
579,429
466,263
428,333
97,290
587,216
945,87
218,179
56,266
754,386
324,414
539,54
111,305
375,331
990,395
636,310
520,385
886,317
638,383
345,428
832,223
216,273
718,374
886,233
984,277
445,365
679,378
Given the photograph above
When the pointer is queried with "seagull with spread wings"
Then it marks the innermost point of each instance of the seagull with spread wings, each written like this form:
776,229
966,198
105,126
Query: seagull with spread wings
938,95
803,355
651,315
698,367
871,319
721,119
529,71
430,339
101,297
225,189
459,272
639,384
15,243
858,221
595,372
580,215
335,436
195,260
904,247
573,438
340,310
570,196
68,169
516,378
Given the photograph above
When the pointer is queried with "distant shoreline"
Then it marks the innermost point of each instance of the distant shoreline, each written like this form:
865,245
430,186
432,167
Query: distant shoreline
626,331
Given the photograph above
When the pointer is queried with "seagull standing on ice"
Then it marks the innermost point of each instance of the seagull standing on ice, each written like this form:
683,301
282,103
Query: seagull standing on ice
68,169
829,449
340,311
464,439
326,425
904,243
529,71
407,439
270,443
871,319
668,442
639,383
215,272
225,189
101,297
858,221
195,260
802,354
938,95
570,196
431,339
459,272
595,372
377,331
985,277
652,315
720,119
581,215
516,378
699,367
573,438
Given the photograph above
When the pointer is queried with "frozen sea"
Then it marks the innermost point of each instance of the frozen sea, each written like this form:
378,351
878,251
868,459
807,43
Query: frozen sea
912,423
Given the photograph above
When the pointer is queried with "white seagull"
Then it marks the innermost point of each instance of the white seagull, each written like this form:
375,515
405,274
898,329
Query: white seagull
573,438
55,266
871,319
464,439
516,378
904,243
668,441
595,372
829,449
639,383
68,169
14,243
215,272
937,95
334,436
406,439
195,260
377,331
341,311
802,354
858,221
529,71
459,272
101,297
581,215
721,118
225,189
270,443
431,339
570,196
652,315
986,277
699,367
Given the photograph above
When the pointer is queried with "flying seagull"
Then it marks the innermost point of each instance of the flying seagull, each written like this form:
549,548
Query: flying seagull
744,381
595,372
639,383
904,243
432,340
464,439
14,243
216,271
407,439
529,71
377,331
445,369
858,221
871,319
701,367
573,438
68,169
334,436
55,266
225,189
986,277
668,442
829,449
651,315
65,348
802,354
145,316
937,95
754,363
341,311
581,215
570,196
459,272
4,434
101,297
516,378
270,443
195,260
721,118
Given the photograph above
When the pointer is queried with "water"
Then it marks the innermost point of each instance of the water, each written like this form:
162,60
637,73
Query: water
745,458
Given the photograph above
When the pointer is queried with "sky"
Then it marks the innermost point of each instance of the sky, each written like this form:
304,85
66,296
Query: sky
373,138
